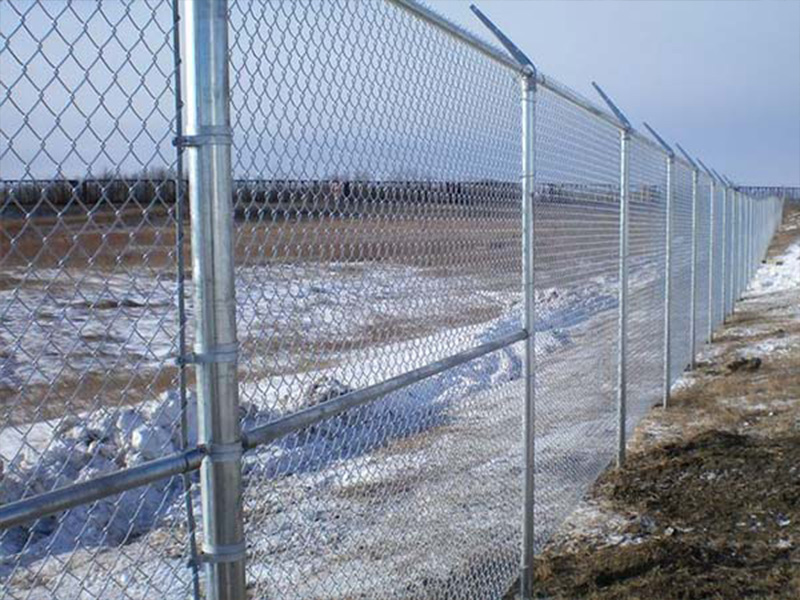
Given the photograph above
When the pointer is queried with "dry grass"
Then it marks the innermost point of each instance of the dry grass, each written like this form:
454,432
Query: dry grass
108,240
455,242
708,505
89,391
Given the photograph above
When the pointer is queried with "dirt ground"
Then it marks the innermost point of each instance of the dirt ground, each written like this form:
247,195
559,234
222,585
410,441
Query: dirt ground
708,505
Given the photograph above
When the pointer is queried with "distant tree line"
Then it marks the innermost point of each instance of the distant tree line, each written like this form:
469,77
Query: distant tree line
269,198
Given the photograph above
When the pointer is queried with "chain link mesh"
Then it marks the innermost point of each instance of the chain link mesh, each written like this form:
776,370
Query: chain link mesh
681,270
718,255
576,263
646,278
88,320
377,163
703,234
729,256
741,231
377,229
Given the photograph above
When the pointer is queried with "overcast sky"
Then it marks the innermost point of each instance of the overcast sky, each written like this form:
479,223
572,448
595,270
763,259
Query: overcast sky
721,77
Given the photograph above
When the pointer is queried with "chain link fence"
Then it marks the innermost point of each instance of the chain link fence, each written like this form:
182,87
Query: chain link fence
681,271
266,325
702,261
89,270
717,280
646,267
576,274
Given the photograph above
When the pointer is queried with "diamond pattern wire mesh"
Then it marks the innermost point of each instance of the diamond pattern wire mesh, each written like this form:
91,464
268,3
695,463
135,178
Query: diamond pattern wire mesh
377,229
576,276
737,247
646,264
702,260
739,255
377,165
88,324
681,270
716,276
730,232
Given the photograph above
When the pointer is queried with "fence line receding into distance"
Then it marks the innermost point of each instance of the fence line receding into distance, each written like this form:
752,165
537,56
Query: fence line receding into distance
325,299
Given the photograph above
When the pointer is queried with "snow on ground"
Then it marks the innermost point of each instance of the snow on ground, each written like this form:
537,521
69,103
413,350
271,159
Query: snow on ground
439,460
777,275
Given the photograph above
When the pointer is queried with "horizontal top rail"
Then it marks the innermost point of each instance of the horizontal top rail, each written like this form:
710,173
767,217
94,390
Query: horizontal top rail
566,93
432,17
496,54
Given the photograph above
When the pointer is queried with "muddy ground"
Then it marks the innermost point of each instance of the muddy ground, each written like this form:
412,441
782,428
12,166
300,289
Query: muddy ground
708,505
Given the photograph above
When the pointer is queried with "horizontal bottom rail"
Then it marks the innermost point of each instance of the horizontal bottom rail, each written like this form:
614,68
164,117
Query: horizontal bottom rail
35,507
42,505
314,414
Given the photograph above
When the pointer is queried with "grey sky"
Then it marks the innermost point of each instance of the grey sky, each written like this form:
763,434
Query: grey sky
721,77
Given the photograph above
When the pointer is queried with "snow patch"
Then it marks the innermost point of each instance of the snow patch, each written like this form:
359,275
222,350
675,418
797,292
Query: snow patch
779,274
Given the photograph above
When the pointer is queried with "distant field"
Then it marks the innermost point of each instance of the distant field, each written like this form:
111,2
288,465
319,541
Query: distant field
88,303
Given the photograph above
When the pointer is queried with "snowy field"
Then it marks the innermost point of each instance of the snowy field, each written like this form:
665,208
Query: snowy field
400,498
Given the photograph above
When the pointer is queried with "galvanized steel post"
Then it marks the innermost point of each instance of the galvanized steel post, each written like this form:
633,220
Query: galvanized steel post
668,281
746,243
724,249
751,237
208,152
740,246
625,135
742,239
731,249
528,80
745,230
528,216
180,289
737,238
693,292
751,202
693,268
743,251
759,225
670,195
754,257
622,373
758,206
750,232
734,232
721,274
712,240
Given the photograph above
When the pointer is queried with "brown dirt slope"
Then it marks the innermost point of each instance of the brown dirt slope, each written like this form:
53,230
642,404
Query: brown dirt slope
708,505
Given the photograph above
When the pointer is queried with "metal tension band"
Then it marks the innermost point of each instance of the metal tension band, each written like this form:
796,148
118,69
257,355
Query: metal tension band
206,136
214,554
224,353
224,452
